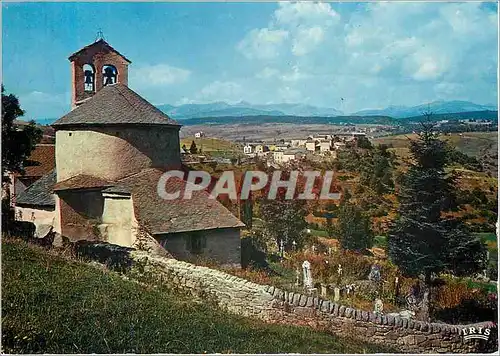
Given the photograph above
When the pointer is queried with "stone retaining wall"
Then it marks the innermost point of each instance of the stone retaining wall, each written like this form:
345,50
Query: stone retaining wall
271,304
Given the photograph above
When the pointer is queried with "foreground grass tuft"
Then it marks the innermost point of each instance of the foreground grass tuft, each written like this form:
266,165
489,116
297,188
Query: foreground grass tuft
55,305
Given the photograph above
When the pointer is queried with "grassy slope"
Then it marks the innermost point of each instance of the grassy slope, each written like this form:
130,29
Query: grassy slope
53,305
212,145
471,143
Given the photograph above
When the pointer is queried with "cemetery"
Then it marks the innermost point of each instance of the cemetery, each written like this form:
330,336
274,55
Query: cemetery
374,284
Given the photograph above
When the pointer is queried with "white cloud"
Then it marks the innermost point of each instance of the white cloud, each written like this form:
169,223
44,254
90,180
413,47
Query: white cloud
159,75
305,13
267,73
230,92
262,43
307,40
294,76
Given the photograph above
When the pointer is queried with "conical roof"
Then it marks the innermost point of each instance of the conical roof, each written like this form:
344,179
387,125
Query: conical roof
115,104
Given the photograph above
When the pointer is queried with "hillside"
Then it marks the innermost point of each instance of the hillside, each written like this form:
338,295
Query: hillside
57,305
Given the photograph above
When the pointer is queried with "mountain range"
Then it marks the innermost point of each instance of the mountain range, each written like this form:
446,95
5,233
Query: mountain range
227,111
221,109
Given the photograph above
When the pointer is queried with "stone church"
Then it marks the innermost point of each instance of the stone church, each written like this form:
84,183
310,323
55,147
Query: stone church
110,151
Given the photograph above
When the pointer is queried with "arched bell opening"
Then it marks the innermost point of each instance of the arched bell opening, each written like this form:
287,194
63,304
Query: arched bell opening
89,78
109,74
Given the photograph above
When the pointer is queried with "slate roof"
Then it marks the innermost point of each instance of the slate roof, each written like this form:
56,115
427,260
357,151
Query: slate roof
81,181
178,215
102,44
41,161
115,104
40,192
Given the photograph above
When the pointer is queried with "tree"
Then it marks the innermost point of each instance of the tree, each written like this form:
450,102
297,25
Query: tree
284,219
376,170
17,144
363,142
353,227
422,240
193,149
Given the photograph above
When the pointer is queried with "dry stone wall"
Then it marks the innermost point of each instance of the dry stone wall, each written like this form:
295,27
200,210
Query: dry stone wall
271,304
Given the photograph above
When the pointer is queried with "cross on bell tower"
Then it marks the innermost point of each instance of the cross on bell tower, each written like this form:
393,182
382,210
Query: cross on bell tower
95,66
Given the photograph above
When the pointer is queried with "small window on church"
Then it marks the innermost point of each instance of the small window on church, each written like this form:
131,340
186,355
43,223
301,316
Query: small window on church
89,78
70,134
110,74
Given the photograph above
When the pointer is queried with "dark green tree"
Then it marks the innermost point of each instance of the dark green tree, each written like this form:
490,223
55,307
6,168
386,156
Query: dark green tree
422,241
17,144
353,227
363,142
377,170
193,149
284,219
17,141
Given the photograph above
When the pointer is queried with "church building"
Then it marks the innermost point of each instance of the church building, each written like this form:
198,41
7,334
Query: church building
110,151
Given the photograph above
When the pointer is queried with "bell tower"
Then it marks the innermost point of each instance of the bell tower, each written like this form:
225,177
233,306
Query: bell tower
95,66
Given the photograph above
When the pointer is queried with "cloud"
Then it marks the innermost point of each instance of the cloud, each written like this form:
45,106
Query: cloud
294,75
305,13
267,73
381,54
230,92
307,39
262,43
158,75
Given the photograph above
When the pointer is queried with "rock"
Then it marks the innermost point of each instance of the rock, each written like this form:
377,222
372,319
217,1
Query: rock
310,302
303,300
390,319
342,310
296,299
325,306
348,312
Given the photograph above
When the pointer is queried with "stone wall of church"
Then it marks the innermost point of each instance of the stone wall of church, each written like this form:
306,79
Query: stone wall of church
221,245
80,214
118,222
114,152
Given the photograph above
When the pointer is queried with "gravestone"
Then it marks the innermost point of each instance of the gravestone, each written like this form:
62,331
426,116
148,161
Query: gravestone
336,294
329,250
297,277
396,290
294,244
374,274
323,290
379,306
306,270
313,249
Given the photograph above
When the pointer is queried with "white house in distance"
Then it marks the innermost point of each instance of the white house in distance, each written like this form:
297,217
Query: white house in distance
248,149
199,134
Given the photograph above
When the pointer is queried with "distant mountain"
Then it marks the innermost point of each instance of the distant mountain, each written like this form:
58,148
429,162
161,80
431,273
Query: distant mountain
189,111
436,107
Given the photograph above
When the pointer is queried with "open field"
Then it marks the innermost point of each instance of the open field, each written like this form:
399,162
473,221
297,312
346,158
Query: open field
470,143
56,305
266,132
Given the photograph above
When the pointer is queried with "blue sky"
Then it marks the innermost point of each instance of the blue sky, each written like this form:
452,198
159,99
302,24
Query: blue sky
370,54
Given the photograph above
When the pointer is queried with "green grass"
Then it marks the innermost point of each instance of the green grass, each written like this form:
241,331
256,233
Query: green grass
56,305
320,233
487,236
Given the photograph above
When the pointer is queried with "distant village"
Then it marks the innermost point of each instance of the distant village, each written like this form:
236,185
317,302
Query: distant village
285,151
